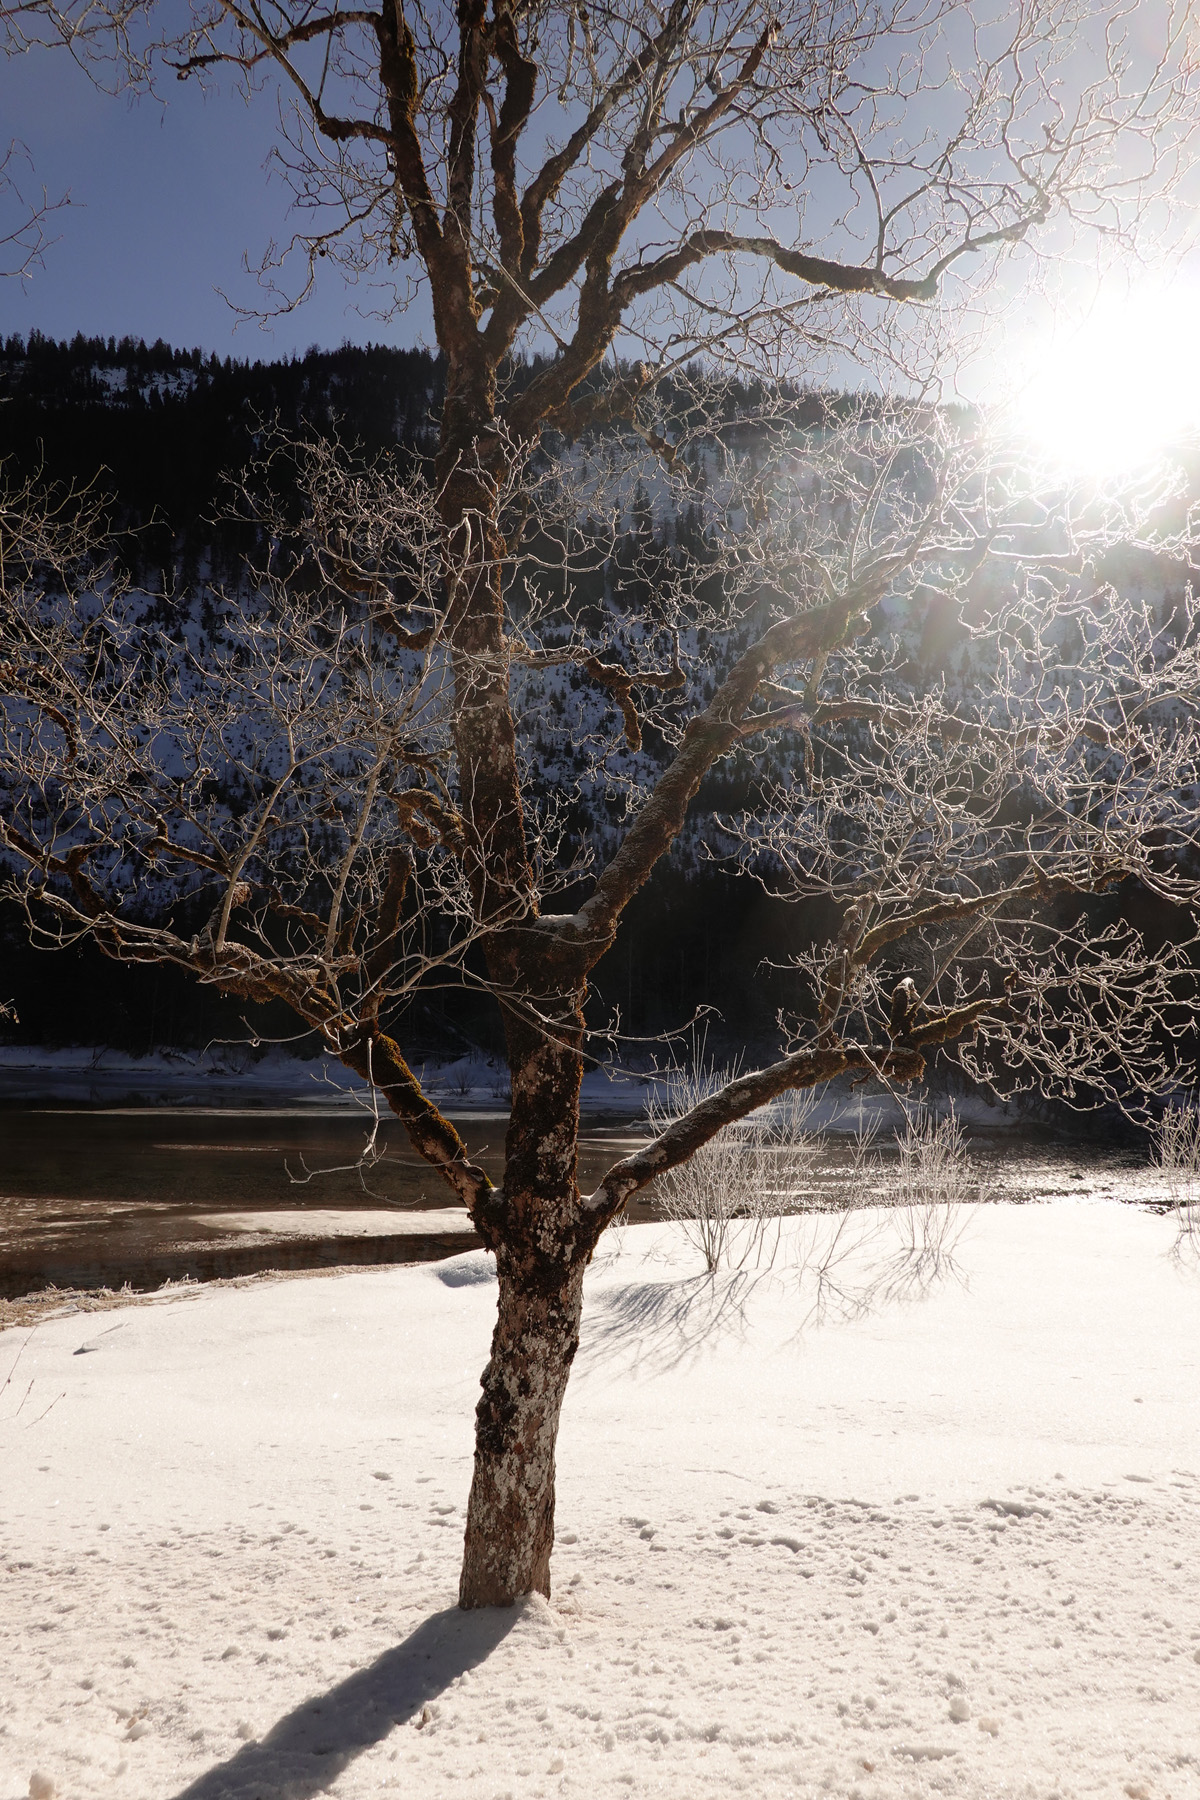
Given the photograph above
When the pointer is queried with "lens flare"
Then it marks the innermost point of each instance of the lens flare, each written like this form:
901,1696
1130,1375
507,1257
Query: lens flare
1114,392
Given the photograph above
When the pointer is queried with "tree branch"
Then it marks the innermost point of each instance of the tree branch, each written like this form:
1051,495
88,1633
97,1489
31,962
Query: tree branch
818,271
378,1060
737,1099
706,738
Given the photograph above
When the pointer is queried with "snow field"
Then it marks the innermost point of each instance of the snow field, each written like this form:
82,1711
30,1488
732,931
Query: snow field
842,1526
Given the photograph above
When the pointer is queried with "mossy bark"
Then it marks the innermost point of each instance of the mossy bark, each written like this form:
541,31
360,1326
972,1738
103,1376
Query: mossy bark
510,1516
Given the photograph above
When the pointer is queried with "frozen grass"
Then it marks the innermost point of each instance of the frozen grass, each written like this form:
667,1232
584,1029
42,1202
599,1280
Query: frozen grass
728,1196
1177,1153
930,1188
728,1200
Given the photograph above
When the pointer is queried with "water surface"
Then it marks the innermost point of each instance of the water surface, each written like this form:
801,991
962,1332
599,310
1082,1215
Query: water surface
146,1194
102,1196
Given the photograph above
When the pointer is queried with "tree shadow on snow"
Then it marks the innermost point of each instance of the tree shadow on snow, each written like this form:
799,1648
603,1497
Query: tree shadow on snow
895,1257
838,1266
666,1322
309,1748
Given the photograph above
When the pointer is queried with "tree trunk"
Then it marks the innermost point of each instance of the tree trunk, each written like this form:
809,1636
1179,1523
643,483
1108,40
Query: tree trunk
510,1516
535,1230
541,1255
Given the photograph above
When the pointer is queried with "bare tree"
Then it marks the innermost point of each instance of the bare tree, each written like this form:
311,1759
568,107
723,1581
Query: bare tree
341,766
23,220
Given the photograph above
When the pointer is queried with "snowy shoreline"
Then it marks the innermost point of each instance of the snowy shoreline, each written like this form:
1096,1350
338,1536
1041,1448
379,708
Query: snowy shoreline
225,1075
225,1072
935,1535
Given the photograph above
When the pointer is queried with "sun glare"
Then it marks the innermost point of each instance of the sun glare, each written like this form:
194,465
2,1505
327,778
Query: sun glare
1112,393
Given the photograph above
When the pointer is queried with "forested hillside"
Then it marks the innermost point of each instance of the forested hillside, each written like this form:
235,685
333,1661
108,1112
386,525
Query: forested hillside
158,434
160,430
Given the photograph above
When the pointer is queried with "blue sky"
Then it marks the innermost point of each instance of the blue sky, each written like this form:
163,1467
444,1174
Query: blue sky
166,203
168,200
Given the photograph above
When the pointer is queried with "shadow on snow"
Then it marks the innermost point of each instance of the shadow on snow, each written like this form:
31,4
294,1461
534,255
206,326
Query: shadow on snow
841,1265
310,1747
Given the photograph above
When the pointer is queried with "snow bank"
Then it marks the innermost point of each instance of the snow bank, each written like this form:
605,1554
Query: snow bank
897,1516
315,1221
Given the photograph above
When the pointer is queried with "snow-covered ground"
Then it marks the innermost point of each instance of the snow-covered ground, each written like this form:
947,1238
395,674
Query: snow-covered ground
316,1221
892,1518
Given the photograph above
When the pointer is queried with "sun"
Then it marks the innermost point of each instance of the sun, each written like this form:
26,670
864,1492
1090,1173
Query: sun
1110,393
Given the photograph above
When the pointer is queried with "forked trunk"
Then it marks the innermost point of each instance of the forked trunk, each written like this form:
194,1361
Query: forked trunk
510,1516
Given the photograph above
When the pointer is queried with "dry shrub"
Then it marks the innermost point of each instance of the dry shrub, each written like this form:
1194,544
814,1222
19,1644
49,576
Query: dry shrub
728,1195
1177,1154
